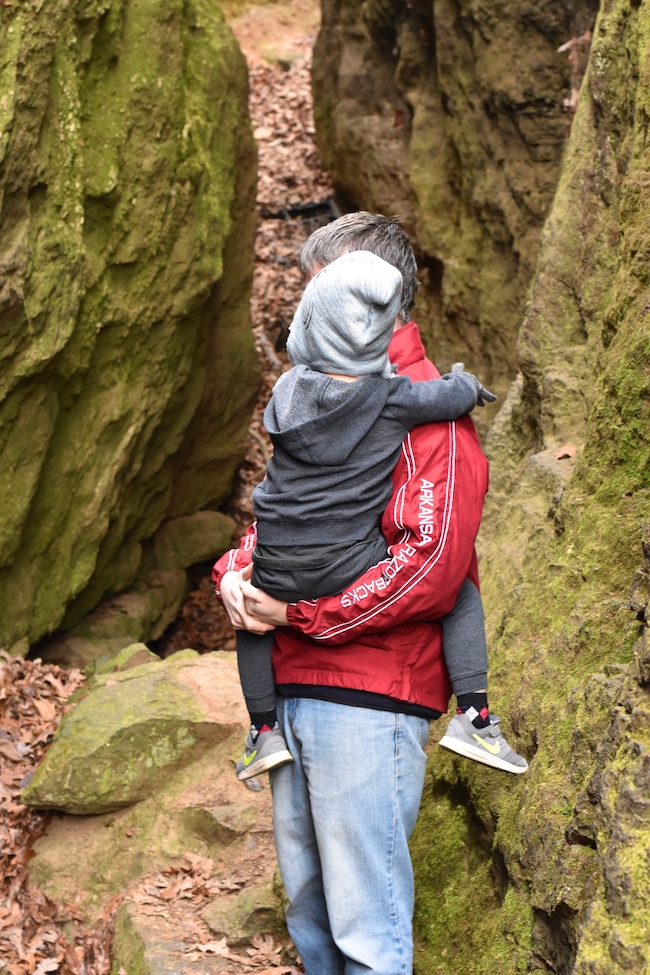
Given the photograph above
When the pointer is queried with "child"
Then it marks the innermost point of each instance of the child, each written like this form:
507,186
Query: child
337,421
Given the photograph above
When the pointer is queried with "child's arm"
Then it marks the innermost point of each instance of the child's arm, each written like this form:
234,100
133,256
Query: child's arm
483,395
448,398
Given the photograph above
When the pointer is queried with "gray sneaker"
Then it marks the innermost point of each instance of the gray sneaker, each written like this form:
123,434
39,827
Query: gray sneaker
264,750
486,745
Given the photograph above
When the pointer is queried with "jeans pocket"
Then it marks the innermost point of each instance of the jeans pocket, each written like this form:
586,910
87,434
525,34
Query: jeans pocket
423,733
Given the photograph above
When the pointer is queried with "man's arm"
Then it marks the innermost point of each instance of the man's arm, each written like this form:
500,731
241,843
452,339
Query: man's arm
236,558
261,607
430,525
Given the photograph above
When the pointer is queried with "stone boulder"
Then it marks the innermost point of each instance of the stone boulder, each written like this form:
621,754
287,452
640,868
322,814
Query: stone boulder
182,542
192,817
153,602
253,909
141,613
130,733
127,186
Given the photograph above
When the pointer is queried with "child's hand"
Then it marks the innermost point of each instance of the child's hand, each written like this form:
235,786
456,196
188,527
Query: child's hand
483,395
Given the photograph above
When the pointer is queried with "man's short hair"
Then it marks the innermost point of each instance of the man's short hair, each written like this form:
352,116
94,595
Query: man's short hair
363,231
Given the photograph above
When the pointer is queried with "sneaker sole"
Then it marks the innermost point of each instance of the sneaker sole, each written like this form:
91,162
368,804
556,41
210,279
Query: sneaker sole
469,751
264,764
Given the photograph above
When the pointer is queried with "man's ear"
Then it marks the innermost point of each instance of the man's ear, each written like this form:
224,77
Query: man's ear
314,270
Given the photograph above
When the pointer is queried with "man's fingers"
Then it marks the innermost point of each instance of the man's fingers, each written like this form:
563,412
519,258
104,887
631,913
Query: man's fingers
250,592
235,592
263,607
255,626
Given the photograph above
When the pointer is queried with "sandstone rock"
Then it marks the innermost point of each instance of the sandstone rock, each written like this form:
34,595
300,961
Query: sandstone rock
132,656
153,946
129,373
199,809
142,613
194,538
253,909
220,824
139,946
145,946
450,115
124,739
566,849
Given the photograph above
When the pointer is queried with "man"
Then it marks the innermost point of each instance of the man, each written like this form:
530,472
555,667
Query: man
360,675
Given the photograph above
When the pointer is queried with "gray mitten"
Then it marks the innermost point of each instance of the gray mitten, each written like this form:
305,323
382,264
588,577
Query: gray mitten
483,395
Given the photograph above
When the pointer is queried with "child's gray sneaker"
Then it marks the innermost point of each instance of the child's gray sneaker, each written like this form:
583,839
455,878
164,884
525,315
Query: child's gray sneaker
486,745
264,750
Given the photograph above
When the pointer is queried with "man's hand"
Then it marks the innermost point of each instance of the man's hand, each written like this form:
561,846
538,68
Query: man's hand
262,607
233,599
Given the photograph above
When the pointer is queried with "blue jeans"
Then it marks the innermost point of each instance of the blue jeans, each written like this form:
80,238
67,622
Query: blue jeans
343,812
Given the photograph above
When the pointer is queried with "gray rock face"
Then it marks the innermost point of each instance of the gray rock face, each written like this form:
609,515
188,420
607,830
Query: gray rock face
565,550
449,114
127,210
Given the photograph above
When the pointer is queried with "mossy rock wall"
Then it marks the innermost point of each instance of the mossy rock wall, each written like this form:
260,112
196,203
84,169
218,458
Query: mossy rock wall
127,210
550,871
449,115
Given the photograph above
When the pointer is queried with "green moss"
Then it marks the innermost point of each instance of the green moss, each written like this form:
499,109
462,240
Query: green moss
131,164
122,740
128,947
561,543
453,861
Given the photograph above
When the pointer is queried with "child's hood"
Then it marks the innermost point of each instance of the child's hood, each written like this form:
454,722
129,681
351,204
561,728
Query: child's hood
320,420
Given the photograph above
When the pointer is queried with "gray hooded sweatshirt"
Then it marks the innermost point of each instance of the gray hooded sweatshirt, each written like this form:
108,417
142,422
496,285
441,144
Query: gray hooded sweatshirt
335,446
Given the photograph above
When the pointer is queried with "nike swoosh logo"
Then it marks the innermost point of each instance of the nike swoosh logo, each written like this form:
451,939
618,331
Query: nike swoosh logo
492,749
252,755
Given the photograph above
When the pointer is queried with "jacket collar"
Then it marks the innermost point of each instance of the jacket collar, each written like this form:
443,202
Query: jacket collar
406,346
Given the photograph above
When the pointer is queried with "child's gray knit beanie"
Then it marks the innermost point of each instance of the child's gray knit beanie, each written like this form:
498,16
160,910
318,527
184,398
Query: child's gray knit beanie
345,320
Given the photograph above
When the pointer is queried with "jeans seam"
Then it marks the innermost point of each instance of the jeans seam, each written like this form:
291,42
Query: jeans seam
398,731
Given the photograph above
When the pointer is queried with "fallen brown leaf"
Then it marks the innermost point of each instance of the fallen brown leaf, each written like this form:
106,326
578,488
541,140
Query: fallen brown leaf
568,450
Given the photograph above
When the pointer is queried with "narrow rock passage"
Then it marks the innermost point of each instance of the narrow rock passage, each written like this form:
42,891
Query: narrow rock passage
290,180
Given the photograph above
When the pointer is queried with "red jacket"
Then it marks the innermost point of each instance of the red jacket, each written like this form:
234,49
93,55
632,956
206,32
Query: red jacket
378,636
